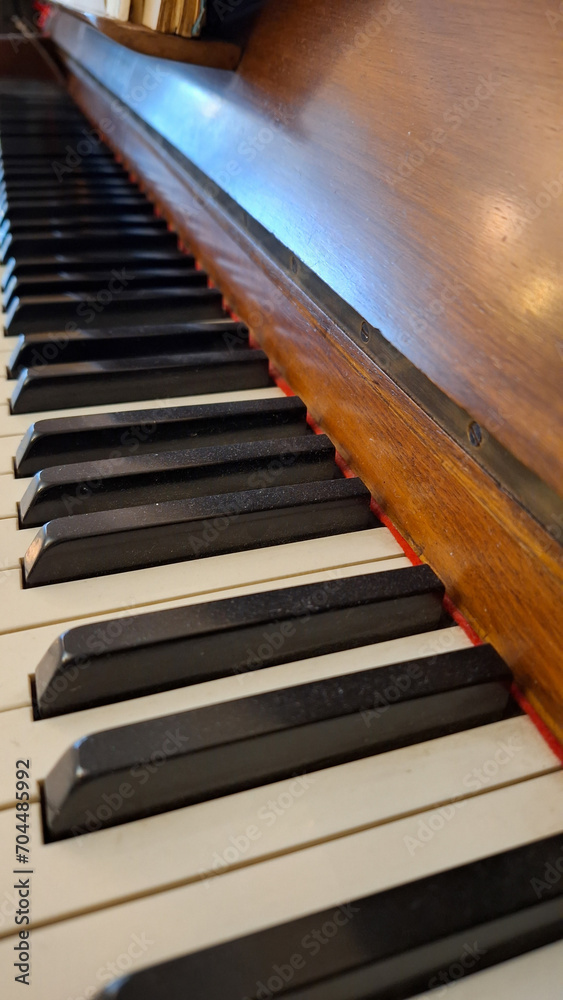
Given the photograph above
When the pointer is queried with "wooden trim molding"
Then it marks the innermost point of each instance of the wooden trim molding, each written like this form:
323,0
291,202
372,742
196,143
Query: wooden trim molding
501,568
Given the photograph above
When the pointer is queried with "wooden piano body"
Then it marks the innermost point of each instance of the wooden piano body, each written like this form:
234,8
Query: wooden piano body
377,190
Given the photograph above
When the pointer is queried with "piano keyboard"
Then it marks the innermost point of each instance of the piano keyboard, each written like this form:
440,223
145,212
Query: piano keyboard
248,754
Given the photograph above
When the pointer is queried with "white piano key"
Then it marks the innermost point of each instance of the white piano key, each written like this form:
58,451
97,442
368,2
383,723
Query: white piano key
17,423
75,956
13,542
23,608
8,448
21,651
46,740
11,492
536,974
200,841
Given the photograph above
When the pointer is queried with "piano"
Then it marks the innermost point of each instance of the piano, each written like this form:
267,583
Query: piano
280,478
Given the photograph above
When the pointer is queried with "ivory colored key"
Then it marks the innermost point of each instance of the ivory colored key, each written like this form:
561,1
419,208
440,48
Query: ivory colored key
20,652
8,448
210,839
538,973
188,918
27,608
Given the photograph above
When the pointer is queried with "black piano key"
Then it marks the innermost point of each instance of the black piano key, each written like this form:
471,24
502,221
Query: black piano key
95,184
148,236
391,945
86,281
36,162
90,383
108,435
73,548
104,218
113,305
135,480
225,748
58,347
47,155
30,208
126,658
95,260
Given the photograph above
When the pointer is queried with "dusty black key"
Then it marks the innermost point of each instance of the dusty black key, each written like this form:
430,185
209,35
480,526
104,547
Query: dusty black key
391,945
134,480
108,435
224,748
128,657
113,305
88,281
26,208
95,260
72,548
47,155
98,184
104,218
37,349
91,383
148,236
37,164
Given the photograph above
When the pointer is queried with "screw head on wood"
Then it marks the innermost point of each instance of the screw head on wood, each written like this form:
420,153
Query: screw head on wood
475,434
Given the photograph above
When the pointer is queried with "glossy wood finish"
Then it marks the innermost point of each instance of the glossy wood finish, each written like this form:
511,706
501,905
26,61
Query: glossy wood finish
501,569
199,52
410,155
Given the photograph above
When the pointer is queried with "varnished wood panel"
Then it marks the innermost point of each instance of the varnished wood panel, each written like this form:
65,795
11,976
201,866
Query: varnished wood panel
500,568
410,154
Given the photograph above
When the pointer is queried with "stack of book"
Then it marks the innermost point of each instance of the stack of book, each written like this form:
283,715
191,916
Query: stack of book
176,17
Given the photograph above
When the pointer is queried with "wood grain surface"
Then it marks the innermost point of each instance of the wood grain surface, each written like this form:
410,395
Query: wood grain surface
500,568
411,155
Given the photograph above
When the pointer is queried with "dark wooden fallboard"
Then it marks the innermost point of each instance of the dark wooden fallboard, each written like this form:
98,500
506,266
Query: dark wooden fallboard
291,179
401,151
